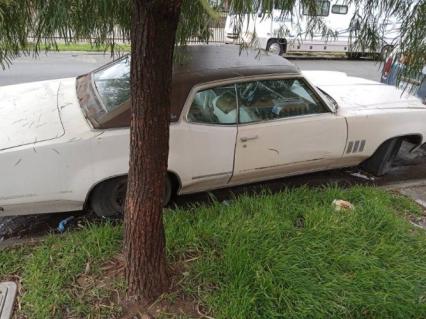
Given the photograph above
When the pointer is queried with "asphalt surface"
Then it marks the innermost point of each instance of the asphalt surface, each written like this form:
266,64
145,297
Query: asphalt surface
56,65
53,65
410,167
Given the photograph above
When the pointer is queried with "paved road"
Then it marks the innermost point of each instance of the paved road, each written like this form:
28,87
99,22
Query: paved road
50,66
56,65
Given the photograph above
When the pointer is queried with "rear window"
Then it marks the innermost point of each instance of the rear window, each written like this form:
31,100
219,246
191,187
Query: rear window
113,84
339,9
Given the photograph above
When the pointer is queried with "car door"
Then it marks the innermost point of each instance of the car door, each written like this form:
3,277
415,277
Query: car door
284,128
209,135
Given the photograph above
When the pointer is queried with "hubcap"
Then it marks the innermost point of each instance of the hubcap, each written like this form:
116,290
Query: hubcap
275,48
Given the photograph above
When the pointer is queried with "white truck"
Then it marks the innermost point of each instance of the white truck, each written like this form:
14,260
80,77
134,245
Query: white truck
279,32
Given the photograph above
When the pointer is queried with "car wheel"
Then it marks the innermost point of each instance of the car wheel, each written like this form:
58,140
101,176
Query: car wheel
107,199
381,162
275,47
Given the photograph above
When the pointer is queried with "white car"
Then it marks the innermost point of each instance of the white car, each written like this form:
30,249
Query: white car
235,119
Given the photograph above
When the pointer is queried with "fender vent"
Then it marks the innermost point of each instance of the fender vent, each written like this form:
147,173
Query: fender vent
355,147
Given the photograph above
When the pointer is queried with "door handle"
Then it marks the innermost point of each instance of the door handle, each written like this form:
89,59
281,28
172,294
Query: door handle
248,138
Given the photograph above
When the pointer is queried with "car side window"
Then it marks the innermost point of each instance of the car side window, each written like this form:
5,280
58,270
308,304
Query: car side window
275,99
322,9
214,106
339,9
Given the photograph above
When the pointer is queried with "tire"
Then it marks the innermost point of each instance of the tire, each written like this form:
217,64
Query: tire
381,162
169,191
275,47
107,199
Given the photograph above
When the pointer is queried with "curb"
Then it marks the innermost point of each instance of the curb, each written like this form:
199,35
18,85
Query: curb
402,185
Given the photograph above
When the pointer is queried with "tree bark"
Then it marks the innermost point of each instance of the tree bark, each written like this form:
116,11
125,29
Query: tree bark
154,24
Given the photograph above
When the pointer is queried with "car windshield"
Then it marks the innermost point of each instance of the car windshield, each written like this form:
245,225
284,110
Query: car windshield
113,84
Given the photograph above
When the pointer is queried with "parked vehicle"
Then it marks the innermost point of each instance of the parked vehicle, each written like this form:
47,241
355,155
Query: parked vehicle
393,74
278,32
235,119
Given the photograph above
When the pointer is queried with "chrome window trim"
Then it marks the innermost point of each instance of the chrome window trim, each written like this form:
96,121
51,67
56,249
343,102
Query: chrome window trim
208,85
319,95
296,117
192,95
95,88
103,67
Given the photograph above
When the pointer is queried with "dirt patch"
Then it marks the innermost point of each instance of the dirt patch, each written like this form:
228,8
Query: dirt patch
173,304
106,292
36,225
418,195
419,221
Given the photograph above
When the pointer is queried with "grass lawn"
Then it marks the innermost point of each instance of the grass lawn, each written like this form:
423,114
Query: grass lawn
286,255
86,47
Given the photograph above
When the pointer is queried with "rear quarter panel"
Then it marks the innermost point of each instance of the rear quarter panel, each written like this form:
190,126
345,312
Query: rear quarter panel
377,126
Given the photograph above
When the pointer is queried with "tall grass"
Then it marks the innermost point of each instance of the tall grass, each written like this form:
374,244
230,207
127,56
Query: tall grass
291,255
286,255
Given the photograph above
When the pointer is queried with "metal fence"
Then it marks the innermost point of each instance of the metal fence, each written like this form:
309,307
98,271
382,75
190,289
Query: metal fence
217,30
217,34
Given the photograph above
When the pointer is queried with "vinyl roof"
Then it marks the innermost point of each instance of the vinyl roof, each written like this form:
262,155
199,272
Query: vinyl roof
206,63
197,64
230,60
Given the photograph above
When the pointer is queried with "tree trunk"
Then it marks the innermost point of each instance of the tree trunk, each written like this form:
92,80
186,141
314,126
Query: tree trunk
154,24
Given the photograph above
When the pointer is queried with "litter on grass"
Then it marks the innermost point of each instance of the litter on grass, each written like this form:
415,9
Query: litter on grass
226,203
359,175
340,204
63,224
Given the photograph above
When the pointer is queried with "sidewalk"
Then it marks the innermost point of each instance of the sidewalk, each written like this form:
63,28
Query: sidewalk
417,192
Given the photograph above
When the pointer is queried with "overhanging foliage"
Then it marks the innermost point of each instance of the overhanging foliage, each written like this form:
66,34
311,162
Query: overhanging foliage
108,22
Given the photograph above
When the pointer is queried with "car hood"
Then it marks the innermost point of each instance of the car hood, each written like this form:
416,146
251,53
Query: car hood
29,113
352,93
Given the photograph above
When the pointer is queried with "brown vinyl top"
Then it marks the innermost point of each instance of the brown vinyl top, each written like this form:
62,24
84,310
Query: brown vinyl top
230,60
202,64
